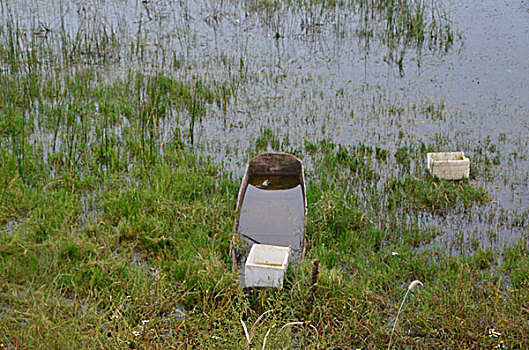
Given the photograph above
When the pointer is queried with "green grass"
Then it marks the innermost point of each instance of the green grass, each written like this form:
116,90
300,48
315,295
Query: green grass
158,251
115,233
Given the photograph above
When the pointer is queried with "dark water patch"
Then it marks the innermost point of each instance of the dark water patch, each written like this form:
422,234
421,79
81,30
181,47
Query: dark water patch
274,182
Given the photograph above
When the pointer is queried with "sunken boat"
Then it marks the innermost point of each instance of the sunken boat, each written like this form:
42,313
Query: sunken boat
271,205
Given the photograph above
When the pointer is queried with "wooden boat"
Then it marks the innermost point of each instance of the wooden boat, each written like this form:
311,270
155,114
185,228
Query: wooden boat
272,205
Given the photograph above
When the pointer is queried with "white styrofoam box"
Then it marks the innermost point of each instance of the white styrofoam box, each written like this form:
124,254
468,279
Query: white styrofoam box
266,266
448,165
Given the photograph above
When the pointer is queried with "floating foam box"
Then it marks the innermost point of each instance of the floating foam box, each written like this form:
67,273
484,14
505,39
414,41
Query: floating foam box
266,266
448,165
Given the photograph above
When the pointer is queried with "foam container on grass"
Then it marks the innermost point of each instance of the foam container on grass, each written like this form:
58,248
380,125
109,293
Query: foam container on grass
266,266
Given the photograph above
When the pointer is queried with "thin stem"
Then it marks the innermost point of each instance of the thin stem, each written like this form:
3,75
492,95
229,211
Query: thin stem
397,318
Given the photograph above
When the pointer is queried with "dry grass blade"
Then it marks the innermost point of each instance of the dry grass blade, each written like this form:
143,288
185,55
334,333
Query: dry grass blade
165,137
289,324
266,337
315,330
249,335
245,332
259,320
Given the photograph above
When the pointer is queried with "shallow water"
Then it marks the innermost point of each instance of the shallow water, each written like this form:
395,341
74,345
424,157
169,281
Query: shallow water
274,182
306,74
274,217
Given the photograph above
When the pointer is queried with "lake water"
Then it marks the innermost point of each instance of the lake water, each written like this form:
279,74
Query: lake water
307,74
274,216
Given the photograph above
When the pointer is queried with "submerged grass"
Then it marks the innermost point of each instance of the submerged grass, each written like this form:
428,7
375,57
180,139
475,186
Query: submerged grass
115,233
153,266
399,24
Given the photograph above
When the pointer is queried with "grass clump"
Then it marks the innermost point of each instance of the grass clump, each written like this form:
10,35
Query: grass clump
433,194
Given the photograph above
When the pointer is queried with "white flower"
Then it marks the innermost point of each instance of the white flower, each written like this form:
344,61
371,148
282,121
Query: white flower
136,333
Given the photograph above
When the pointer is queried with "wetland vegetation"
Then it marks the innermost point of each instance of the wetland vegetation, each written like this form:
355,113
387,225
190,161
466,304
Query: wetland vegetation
124,133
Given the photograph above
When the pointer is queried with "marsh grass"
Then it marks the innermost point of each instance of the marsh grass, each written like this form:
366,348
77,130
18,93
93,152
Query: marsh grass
114,232
159,252
154,242
399,25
